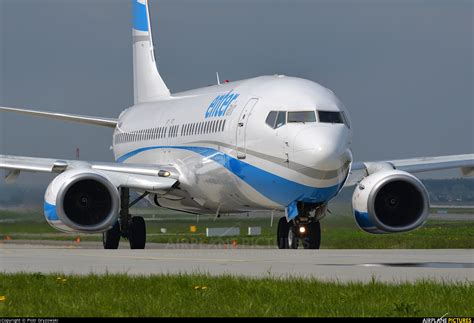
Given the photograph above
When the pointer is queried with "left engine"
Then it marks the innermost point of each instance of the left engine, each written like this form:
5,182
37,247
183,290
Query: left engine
390,201
81,200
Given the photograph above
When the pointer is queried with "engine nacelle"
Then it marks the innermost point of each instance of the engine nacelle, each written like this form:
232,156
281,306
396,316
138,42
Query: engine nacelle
390,201
81,200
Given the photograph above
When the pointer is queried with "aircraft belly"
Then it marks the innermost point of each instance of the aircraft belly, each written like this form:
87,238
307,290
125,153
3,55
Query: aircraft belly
204,184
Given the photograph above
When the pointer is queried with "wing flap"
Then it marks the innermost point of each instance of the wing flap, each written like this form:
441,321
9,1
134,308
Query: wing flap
27,164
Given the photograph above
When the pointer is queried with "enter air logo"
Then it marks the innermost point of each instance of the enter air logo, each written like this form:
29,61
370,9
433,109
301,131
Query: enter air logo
220,105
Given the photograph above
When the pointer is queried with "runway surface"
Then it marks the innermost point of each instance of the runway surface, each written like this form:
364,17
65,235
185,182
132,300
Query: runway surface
341,265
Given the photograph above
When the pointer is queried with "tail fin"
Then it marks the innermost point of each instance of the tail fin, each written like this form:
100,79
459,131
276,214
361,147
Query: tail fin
147,82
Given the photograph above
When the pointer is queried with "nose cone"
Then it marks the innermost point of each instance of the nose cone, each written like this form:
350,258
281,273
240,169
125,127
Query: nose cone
323,147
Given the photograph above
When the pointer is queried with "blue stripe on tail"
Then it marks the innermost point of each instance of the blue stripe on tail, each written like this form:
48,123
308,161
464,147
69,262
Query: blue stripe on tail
140,17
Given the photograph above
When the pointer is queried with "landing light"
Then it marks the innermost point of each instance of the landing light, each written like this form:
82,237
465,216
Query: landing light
302,229
164,173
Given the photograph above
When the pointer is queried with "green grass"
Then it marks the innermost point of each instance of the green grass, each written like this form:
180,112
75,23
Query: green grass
37,295
339,231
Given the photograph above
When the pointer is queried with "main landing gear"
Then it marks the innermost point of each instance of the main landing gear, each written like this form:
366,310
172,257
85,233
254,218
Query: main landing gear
304,230
128,227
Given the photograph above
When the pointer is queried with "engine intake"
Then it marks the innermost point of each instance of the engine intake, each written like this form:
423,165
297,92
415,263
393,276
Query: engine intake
390,201
82,200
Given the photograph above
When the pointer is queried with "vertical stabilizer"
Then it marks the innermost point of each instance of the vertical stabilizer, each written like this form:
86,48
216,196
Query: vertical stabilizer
147,82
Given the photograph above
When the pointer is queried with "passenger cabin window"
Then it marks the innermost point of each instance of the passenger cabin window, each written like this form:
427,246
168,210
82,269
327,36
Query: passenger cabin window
189,129
301,116
276,119
330,117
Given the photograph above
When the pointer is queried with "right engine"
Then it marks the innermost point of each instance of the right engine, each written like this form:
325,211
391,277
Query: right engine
81,200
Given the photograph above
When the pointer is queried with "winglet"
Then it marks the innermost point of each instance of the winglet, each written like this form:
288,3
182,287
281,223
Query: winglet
147,82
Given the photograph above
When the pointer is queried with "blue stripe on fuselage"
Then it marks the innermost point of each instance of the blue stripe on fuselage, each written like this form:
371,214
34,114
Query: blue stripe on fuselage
274,187
140,17
50,212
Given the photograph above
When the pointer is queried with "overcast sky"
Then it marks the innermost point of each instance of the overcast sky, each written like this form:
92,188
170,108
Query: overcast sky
404,69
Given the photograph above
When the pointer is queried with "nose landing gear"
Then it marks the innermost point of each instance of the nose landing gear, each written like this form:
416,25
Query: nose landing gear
287,238
290,234
304,230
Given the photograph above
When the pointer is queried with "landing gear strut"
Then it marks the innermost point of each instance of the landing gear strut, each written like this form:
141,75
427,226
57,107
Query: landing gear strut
291,234
128,227
304,229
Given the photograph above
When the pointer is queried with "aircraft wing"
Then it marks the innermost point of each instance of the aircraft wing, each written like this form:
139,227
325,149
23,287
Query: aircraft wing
413,165
135,176
96,121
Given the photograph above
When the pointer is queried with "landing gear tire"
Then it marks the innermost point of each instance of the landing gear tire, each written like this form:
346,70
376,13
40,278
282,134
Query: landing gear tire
293,240
286,236
313,236
137,233
282,233
111,238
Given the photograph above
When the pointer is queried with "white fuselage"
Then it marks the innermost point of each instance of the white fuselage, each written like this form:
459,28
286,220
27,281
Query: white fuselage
229,159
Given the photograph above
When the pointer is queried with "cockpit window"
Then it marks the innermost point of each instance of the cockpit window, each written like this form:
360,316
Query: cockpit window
276,119
281,119
271,118
346,120
301,116
330,117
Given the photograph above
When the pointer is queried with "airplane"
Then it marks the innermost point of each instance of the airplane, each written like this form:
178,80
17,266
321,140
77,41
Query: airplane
274,143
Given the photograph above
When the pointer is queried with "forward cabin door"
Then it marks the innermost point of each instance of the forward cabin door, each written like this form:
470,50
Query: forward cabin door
242,128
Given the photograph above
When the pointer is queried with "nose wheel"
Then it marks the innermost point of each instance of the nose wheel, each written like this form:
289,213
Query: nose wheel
312,240
286,236
291,234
